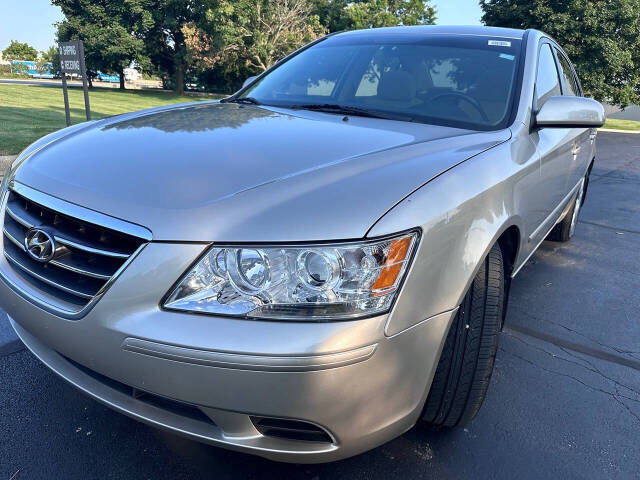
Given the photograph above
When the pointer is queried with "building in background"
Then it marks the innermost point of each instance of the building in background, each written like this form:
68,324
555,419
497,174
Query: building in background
32,68
131,74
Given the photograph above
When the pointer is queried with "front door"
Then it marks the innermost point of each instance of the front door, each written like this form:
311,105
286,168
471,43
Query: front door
554,147
582,140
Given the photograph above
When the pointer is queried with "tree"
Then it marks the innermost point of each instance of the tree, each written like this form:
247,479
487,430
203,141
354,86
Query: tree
388,13
165,42
339,15
235,39
332,14
112,32
19,51
602,38
245,37
274,28
52,56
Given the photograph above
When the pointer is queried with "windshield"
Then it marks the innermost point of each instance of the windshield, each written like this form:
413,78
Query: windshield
460,81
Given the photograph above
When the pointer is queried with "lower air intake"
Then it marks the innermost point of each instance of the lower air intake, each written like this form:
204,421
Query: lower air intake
291,429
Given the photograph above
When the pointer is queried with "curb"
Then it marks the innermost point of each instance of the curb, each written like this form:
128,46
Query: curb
613,130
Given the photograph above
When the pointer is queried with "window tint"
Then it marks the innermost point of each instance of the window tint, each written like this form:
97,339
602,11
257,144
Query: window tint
547,82
570,87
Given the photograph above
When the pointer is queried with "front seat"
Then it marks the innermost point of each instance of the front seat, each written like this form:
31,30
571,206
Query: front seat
398,88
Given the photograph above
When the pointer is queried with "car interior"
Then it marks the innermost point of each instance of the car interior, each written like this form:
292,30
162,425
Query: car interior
468,85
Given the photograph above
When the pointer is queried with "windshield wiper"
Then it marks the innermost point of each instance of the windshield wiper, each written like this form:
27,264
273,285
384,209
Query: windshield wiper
348,110
247,100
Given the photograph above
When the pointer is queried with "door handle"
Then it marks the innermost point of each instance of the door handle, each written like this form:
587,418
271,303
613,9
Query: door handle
592,135
575,151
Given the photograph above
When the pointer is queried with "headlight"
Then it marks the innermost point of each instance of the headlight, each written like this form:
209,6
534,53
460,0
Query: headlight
4,185
306,282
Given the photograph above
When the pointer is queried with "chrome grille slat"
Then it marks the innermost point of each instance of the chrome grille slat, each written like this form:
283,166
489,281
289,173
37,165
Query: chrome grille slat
86,248
17,218
46,280
11,237
64,261
87,256
29,221
67,265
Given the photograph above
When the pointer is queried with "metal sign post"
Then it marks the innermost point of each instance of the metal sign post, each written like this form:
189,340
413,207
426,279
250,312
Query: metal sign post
72,61
66,97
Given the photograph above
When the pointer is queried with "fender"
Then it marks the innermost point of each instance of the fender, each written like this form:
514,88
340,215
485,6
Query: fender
461,213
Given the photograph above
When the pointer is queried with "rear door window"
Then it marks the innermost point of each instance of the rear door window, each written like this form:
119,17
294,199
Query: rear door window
570,87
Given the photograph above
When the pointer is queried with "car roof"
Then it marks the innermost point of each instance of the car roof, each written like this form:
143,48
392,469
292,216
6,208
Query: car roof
478,30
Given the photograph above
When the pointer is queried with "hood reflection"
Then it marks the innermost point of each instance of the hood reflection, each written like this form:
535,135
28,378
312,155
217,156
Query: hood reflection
197,118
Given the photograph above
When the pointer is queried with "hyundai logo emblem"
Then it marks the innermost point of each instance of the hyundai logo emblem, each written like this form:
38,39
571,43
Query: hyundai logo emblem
39,244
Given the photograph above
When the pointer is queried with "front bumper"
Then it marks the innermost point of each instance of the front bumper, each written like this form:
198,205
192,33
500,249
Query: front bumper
360,386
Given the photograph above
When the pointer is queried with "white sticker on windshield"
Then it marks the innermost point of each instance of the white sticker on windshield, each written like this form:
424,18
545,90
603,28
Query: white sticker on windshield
499,43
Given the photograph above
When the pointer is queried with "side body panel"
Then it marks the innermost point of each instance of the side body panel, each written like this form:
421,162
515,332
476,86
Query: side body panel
461,213
525,182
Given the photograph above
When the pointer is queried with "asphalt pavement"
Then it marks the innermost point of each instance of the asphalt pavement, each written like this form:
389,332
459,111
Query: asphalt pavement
564,400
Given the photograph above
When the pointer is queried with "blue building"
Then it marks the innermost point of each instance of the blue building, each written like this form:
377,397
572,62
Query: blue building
30,67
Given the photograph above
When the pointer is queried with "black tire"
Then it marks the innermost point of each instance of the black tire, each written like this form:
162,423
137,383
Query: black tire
464,370
564,230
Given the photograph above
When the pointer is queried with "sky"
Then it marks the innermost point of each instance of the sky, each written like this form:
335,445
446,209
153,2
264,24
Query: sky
32,21
457,12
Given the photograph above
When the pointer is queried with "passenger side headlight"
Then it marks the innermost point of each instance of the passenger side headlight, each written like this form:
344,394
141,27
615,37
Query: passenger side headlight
303,282
4,185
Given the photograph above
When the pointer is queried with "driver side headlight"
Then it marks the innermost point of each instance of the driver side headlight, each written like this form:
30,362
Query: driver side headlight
304,282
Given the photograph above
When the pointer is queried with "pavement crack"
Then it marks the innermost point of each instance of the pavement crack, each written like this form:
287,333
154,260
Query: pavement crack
609,227
596,370
591,368
622,351
615,396
626,407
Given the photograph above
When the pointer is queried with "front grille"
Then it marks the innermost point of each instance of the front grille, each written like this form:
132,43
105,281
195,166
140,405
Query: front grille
86,255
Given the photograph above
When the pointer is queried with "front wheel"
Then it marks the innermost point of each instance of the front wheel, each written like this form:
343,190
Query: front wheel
463,373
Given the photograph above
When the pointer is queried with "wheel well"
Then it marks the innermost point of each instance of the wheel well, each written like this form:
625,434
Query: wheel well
509,243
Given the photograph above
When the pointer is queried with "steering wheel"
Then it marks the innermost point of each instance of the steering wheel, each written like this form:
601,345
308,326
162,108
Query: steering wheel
463,96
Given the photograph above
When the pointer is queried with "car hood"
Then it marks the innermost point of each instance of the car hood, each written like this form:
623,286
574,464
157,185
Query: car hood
228,172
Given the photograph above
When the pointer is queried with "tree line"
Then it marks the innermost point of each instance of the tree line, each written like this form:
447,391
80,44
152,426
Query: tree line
601,37
216,44
23,51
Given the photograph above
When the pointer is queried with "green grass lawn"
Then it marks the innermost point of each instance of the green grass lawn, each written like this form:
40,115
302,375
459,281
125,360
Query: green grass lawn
28,112
616,124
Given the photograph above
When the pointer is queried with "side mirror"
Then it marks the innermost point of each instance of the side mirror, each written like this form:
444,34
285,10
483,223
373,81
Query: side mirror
248,81
570,112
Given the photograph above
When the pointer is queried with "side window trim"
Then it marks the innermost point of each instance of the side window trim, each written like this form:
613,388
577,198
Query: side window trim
557,53
574,75
542,43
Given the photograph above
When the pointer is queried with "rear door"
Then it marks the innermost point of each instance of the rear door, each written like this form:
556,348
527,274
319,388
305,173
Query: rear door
582,139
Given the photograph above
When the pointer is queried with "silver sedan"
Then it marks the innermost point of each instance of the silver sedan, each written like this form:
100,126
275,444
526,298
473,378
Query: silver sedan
309,267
